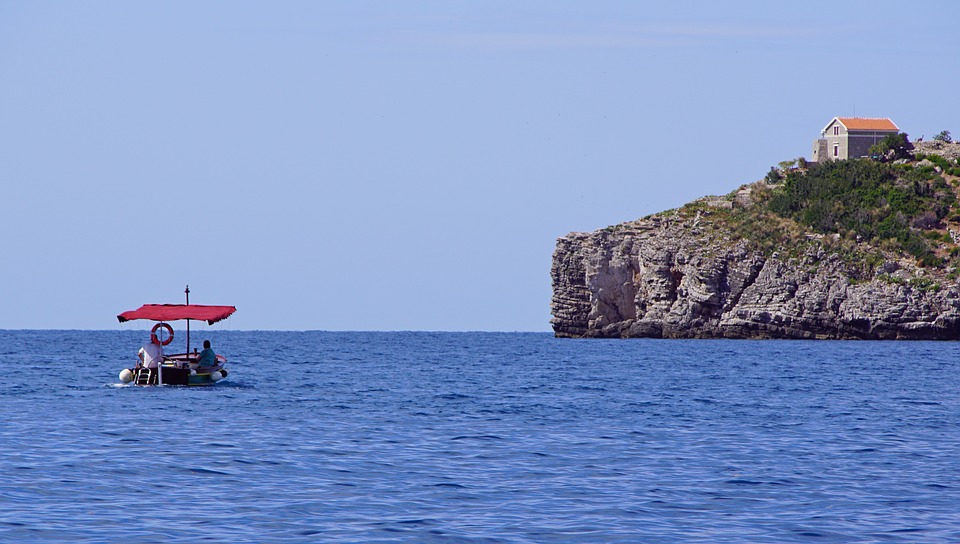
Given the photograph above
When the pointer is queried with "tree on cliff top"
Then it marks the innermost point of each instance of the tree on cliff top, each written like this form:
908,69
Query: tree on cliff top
899,144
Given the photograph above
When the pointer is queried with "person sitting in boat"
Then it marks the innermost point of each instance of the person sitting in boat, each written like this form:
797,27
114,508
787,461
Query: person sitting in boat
207,356
151,354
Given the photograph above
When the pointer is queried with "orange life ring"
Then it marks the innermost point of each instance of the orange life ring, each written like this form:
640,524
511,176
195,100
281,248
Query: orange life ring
153,334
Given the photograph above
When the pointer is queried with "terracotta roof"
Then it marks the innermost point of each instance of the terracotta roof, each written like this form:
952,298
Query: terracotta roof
863,123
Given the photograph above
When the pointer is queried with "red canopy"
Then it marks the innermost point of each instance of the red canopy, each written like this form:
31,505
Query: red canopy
174,312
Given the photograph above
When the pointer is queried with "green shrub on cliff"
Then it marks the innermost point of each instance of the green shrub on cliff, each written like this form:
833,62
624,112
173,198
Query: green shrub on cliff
868,198
940,161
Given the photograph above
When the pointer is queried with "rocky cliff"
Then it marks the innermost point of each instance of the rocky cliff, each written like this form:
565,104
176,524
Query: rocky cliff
724,267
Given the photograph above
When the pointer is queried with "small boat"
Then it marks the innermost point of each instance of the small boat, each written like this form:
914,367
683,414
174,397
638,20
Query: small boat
180,368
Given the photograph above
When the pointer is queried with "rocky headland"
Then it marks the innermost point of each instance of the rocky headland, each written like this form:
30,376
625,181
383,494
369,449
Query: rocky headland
845,250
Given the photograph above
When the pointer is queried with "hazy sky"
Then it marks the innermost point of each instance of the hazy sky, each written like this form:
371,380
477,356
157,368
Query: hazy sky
405,165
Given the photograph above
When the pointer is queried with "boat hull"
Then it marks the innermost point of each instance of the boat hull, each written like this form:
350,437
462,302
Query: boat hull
176,376
180,369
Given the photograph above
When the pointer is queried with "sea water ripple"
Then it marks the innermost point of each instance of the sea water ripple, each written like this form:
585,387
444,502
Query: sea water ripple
482,437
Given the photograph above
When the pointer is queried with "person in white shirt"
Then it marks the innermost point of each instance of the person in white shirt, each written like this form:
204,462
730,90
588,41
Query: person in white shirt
150,354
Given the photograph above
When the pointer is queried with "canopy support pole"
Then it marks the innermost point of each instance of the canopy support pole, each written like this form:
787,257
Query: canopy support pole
187,292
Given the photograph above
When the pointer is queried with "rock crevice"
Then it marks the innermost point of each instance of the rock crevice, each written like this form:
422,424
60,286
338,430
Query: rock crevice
664,278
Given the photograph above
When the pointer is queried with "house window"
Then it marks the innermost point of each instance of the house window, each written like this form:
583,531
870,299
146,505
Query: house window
836,130
836,150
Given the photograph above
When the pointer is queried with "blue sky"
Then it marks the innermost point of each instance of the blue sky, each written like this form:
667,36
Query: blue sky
404,165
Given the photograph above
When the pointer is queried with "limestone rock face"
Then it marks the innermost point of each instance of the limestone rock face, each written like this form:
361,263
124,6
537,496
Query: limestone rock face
662,277
947,150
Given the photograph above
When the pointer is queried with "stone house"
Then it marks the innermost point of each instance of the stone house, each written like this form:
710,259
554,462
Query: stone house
851,137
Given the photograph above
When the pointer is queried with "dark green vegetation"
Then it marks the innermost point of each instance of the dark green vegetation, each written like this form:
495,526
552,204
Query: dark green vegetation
898,146
870,201
866,212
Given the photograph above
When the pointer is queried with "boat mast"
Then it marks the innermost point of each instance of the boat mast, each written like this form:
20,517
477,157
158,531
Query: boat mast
187,292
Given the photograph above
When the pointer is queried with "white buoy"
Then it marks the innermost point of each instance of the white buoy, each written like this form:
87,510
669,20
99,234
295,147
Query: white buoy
216,375
193,372
126,376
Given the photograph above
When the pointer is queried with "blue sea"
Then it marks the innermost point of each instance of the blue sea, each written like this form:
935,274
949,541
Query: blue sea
481,437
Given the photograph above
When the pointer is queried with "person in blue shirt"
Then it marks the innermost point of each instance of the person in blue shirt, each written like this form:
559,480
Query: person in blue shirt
207,356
